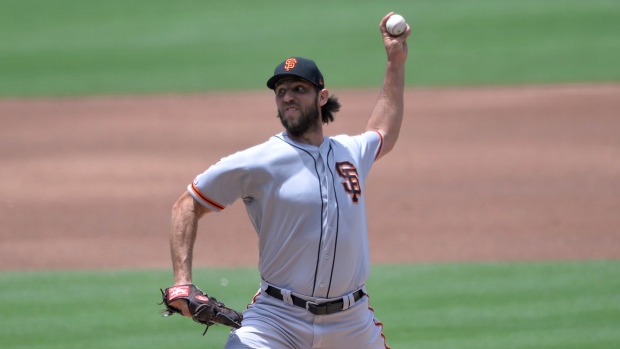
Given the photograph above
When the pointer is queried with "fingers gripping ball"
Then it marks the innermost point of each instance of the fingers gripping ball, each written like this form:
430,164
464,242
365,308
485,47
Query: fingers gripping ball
204,309
396,25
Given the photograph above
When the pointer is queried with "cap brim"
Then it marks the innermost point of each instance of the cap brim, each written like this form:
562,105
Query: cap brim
271,83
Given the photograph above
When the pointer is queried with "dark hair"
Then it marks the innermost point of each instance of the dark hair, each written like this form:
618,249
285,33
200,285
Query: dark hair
328,109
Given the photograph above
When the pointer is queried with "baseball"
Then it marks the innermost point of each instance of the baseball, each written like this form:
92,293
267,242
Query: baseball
396,25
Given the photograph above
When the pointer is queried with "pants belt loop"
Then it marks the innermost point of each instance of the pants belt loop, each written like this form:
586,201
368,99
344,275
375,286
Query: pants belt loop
347,301
286,295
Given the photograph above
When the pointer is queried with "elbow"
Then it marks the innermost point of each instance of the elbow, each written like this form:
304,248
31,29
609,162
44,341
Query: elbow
177,208
186,204
179,205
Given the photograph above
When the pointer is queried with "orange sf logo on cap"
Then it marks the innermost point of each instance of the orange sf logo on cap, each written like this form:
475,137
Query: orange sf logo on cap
290,64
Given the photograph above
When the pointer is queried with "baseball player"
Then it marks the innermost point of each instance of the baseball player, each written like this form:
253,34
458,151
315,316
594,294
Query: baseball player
304,194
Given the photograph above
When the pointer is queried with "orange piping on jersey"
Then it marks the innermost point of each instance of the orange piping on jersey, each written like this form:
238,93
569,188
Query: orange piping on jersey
380,144
206,199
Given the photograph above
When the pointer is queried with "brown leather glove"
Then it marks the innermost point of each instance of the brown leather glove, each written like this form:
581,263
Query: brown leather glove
203,309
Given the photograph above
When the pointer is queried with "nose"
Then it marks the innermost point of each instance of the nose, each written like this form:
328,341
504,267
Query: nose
288,96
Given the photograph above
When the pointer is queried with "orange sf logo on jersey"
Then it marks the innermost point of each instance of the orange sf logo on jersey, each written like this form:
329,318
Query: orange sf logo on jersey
290,64
351,185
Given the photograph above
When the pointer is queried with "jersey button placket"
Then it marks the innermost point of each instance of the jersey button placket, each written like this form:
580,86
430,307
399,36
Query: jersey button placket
323,180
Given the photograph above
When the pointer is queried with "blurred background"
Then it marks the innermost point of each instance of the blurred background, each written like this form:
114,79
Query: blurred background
494,222
66,47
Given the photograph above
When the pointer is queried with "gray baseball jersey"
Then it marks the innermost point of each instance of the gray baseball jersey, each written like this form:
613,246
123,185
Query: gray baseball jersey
307,206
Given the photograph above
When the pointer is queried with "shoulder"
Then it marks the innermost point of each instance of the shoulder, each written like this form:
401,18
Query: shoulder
366,145
269,153
274,145
368,137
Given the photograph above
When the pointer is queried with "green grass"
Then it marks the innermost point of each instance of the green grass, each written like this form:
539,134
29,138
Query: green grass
475,305
66,47
509,305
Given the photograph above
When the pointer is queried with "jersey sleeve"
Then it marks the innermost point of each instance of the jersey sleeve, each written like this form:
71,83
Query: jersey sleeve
374,143
370,144
221,184
365,148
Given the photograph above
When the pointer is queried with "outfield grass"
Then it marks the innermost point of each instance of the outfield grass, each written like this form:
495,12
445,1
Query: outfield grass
475,305
66,47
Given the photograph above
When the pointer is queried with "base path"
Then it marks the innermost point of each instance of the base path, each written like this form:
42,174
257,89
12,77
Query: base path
479,174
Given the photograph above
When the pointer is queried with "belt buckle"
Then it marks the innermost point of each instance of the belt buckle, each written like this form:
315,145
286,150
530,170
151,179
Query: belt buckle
313,304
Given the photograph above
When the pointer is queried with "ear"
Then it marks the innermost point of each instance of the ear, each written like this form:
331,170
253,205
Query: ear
323,97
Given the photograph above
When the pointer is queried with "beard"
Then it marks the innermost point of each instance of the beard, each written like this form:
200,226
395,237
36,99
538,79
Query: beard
307,121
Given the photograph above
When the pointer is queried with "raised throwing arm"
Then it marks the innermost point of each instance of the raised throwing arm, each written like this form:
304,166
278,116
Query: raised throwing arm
387,115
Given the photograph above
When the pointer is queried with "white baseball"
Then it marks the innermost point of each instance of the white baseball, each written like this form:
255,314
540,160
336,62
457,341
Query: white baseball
396,25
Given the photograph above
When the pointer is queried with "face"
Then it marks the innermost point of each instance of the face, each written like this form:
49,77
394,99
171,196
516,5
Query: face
298,106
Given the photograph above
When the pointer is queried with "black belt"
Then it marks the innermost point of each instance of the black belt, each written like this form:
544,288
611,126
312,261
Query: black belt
315,308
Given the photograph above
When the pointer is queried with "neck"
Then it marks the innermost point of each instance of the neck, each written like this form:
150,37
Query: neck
313,138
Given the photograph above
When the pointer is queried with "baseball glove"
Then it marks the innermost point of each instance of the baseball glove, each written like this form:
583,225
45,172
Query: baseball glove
204,309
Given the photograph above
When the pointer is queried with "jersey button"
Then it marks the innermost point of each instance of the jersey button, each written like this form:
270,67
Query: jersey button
326,256
322,285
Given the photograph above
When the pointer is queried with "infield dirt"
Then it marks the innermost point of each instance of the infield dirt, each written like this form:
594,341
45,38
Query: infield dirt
479,174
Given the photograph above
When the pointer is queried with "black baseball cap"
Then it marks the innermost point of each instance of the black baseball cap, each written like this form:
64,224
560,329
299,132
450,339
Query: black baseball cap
300,67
